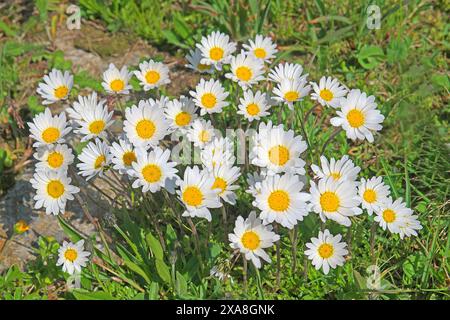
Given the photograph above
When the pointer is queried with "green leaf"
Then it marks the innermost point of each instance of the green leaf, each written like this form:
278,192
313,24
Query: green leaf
73,234
163,270
370,56
96,295
135,268
181,284
155,246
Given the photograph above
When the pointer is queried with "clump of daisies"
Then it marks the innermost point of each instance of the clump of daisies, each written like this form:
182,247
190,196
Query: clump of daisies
238,85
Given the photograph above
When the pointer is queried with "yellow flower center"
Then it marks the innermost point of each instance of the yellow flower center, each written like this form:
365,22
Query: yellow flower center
61,92
325,250
250,240
117,85
260,53
145,129
329,201
192,196
55,189
370,196
216,53
336,175
244,73
152,77
326,95
355,118
279,200
389,215
152,173
183,119
291,96
279,155
209,100
71,255
221,184
204,136
50,135
55,159
253,109
99,161
97,126
203,67
128,158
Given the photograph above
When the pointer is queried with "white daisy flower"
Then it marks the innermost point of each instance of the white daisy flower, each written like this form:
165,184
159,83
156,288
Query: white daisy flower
216,49
72,257
152,74
196,193
335,200
224,177
53,189
251,237
373,193
291,91
395,216
56,158
194,57
48,130
92,117
328,92
160,103
261,48
358,116
115,81
245,70
94,158
218,152
254,106
279,151
209,96
153,170
254,183
181,113
145,124
56,86
280,200
201,132
123,154
342,169
287,71
326,251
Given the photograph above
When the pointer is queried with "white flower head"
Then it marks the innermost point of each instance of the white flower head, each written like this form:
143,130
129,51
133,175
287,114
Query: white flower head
48,130
287,71
91,117
218,152
201,132
326,251
94,158
56,86
72,257
115,81
261,48
281,200
254,181
53,189
342,169
328,92
251,237
373,193
56,158
197,194
245,70
210,96
335,200
152,74
181,113
145,125
254,106
224,177
216,49
153,170
359,116
291,91
123,154
194,57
